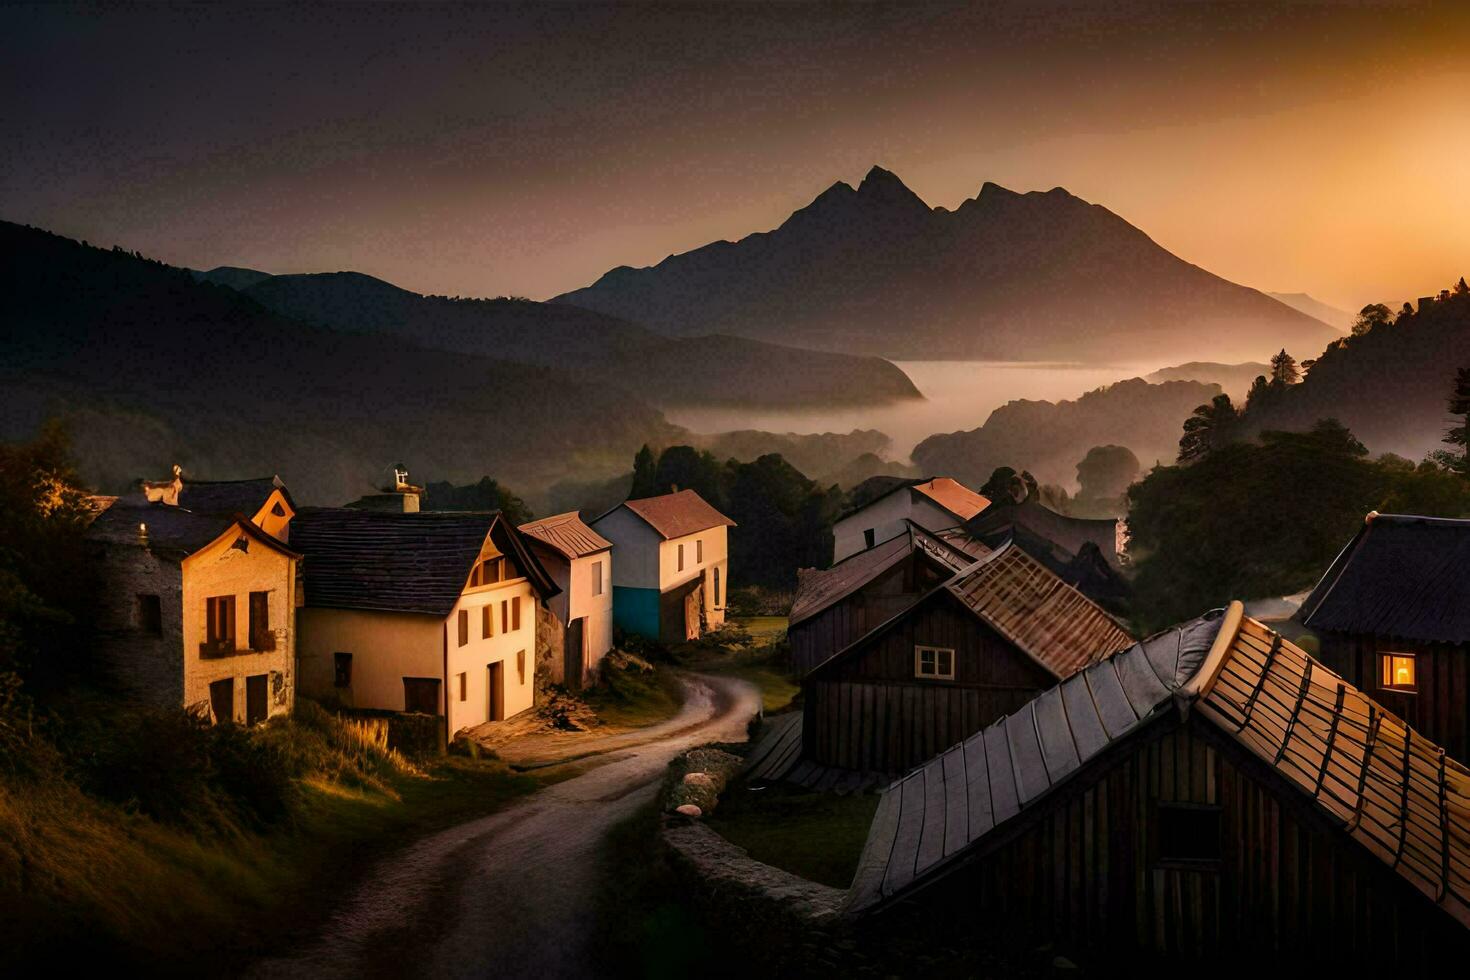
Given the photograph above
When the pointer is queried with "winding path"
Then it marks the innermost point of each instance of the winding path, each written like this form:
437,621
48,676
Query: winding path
512,894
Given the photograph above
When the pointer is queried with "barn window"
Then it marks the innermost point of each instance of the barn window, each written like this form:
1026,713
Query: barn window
934,663
1189,834
1398,673
343,664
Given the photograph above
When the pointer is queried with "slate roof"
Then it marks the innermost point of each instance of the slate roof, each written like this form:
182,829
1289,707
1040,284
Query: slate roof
230,496
568,534
1401,576
1018,597
1387,788
174,533
674,515
398,562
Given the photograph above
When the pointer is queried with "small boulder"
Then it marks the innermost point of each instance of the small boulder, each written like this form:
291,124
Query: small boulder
689,810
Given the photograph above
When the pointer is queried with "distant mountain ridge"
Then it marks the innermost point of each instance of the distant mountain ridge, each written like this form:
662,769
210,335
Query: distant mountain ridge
602,349
1314,307
1034,276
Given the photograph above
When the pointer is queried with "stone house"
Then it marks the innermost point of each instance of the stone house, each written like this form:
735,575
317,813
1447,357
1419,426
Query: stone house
198,596
673,572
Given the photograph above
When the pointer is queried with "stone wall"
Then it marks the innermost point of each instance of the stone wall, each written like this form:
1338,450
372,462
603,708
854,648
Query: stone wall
145,667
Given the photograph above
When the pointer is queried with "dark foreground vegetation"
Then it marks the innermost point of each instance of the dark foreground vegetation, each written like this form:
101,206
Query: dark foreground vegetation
133,835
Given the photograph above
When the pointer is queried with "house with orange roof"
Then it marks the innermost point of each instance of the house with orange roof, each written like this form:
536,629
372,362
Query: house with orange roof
933,504
672,577
579,560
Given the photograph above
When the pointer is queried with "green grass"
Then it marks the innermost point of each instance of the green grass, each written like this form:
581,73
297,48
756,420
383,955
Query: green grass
633,698
817,836
765,629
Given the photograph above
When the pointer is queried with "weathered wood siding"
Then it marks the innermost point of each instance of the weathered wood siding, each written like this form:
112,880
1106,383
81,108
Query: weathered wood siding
1084,869
871,713
835,628
1439,709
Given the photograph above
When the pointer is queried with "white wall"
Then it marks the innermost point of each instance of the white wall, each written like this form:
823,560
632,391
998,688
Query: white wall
597,609
716,555
386,647
505,647
885,517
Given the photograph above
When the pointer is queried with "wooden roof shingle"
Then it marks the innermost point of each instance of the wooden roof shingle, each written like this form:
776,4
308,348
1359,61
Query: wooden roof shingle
568,534
1389,789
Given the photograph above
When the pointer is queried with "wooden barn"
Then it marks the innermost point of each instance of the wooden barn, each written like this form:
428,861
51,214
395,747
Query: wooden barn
1392,616
982,643
1212,793
835,606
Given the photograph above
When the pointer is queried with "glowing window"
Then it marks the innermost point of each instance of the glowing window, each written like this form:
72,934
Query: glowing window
1398,673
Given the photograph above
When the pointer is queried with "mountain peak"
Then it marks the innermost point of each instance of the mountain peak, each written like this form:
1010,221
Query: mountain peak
883,186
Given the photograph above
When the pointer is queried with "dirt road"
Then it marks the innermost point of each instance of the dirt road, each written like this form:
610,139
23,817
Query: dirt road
511,895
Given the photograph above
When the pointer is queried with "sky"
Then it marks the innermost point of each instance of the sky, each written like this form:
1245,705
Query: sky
526,149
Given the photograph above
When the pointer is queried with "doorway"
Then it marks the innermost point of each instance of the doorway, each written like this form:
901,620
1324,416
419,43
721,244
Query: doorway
255,699
222,700
575,653
495,709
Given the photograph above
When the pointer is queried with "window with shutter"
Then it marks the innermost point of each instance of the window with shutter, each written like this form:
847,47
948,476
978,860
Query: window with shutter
261,637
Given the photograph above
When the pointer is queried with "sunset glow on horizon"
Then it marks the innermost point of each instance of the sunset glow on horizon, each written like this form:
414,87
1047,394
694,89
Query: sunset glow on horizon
526,151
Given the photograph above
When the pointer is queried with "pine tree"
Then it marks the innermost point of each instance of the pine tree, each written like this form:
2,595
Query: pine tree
645,479
1283,370
1459,435
1210,427
1461,288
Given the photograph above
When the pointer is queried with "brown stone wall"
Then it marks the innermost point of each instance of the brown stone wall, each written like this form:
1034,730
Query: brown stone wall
144,667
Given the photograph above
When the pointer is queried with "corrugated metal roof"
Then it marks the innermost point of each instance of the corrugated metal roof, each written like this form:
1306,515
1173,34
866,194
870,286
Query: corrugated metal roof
674,515
1391,790
396,562
1028,604
1400,576
817,590
568,534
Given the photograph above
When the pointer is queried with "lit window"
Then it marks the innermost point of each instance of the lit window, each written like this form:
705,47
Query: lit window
935,663
1398,672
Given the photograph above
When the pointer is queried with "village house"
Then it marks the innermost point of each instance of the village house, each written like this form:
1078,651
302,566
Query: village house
1211,793
1392,616
431,613
933,504
982,643
198,596
835,606
580,562
673,571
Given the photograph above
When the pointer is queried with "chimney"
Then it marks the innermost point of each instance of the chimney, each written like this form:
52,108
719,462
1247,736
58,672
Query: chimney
399,496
